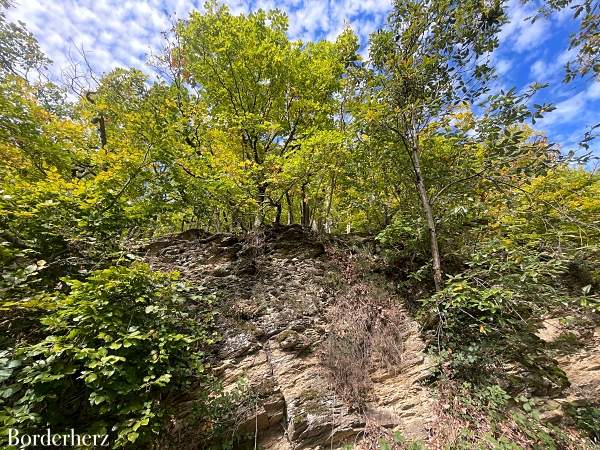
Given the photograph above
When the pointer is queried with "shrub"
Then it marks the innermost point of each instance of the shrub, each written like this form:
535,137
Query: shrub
488,315
116,346
587,419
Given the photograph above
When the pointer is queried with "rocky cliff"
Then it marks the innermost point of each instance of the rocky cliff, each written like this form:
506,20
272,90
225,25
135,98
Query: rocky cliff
314,332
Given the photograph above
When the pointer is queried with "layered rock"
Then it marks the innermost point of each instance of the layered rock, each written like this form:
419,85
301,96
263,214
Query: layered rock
283,296
577,351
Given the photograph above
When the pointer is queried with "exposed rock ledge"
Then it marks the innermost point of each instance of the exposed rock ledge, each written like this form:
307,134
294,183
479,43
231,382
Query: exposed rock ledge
577,351
284,297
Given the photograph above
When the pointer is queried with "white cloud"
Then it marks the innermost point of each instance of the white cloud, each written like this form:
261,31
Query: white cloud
503,66
569,109
121,33
593,91
539,70
520,32
551,69
580,109
532,36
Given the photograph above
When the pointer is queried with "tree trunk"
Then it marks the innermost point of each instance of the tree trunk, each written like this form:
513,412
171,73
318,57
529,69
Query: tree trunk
386,216
290,211
278,214
328,219
102,129
218,220
426,204
261,200
305,209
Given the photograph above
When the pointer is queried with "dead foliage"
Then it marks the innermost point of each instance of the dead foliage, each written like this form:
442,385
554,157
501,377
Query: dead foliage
368,330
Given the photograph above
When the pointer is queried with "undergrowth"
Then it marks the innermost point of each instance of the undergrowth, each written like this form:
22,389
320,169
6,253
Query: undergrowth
118,348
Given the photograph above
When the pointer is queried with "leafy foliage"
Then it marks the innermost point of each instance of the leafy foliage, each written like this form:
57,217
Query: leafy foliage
19,51
116,345
587,418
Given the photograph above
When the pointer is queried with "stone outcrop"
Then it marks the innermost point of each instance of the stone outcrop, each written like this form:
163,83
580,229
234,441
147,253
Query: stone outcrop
576,346
323,352
283,296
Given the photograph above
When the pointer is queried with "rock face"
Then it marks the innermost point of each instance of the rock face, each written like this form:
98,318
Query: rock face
577,350
305,333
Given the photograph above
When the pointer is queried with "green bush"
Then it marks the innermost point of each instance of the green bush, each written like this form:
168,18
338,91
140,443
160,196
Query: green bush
587,419
117,345
486,318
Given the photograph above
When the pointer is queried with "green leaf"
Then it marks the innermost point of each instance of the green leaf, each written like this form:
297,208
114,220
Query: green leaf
132,437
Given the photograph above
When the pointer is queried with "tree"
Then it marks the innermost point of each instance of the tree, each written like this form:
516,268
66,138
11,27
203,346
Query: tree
267,91
425,63
20,53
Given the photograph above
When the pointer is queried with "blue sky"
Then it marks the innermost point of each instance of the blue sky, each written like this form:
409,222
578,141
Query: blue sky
123,33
